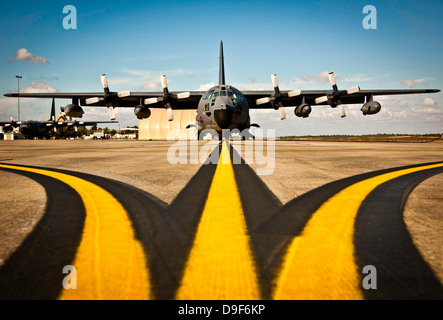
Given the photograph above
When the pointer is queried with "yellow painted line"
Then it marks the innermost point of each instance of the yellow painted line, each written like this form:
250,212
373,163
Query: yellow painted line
110,261
320,263
221,264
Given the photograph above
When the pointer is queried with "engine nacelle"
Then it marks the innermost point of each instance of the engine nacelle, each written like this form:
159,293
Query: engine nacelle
73,111
371,107
142,112
303,110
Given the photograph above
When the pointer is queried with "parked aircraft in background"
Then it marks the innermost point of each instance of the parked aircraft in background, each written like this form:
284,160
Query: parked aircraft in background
45,129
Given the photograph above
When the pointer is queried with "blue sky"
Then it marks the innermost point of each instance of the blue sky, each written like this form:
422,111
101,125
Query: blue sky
135,42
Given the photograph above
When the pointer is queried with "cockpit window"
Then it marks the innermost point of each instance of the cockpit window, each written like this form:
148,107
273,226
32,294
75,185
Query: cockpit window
238,95
223,92
209,95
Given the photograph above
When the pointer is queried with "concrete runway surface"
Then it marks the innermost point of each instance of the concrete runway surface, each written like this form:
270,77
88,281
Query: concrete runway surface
302,224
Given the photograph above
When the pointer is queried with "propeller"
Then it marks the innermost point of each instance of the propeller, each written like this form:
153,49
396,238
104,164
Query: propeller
334,99
167,98
11,118
111,99
275,98
75,124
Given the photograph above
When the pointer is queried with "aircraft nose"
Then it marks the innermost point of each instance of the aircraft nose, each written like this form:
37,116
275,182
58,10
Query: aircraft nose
223,118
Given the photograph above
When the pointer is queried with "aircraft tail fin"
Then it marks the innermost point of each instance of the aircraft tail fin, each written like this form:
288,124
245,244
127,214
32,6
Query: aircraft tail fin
52,116
221,76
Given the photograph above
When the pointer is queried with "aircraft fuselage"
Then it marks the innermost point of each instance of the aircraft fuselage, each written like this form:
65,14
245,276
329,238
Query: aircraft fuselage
223,107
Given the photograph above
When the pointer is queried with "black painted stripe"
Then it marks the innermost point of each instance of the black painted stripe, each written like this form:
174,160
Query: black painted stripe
183,216
272,237
34,269
166,233
382,240
258,204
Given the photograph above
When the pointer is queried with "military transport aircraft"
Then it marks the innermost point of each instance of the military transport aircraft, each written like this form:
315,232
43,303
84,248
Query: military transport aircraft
45,129
223,106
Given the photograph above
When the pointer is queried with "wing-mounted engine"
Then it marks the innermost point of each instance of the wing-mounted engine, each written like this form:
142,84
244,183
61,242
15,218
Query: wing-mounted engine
371,106
73,110
142,112
303,110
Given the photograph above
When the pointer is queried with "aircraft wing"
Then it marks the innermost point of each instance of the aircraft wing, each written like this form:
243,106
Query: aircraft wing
84,123
310,95
130,101
252,96
13,124
74,123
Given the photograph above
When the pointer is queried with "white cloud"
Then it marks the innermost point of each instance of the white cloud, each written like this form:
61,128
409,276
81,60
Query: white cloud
357,78
152,86
400,101
205,86
414,83
435,111
321,77
39,87
146,79
429,102
26,56
411,83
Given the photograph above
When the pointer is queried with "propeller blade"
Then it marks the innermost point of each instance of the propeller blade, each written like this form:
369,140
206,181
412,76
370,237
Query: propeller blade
151,100
169,114
353,90
332,78
342,111
321,99
164,82
281,109
183,95
274,80
262,100
294,93
93,100
111,113
104,81
123,94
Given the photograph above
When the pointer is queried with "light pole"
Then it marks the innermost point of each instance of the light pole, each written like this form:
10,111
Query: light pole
18,98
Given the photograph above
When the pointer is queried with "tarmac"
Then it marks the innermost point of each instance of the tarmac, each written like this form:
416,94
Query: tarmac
293,169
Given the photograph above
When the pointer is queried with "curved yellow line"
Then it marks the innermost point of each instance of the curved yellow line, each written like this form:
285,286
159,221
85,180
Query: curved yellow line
320,264
110,262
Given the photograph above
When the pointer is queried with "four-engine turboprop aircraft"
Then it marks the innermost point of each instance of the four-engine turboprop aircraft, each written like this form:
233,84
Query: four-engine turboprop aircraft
41,129
223,106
